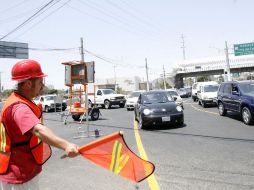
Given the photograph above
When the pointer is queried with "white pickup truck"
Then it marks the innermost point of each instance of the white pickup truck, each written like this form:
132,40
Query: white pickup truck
106,98
51,102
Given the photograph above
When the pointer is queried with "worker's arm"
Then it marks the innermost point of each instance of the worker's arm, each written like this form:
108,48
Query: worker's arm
47,136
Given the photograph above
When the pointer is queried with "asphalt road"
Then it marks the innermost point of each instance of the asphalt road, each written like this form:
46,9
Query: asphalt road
208,152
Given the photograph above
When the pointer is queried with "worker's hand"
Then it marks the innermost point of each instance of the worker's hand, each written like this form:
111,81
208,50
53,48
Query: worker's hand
71,151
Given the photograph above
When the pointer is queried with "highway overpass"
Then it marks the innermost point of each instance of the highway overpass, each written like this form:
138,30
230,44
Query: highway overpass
212,66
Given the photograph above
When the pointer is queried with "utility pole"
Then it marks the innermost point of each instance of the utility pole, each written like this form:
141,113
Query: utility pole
227,75
82,50
115,77
147,82
183,46
86,90
164,78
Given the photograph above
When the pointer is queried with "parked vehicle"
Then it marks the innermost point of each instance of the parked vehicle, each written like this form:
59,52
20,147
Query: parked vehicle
194,92
132,99
183,92
174,94
106,98
207,93
237,96
51,102
156,108
188,89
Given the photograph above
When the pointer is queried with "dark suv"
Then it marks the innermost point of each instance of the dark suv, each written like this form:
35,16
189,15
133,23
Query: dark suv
237,96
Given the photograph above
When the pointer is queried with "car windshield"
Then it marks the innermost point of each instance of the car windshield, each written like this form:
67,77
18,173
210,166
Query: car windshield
37,98
152,98
182,91
172,93
108,91
50,98
134,94
211,88
247,87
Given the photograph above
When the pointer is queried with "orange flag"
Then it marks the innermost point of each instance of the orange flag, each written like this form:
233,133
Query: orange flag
111,152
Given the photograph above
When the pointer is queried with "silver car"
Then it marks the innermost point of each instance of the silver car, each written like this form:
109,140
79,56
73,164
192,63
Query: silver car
132,99
174,94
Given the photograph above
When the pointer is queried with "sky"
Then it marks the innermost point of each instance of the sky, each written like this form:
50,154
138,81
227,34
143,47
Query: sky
119,35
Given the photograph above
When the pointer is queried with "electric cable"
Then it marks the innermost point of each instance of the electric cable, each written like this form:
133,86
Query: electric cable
38,22
27,20
12,7
128,13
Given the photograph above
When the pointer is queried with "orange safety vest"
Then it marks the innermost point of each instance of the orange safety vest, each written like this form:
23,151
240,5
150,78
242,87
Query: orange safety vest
40,150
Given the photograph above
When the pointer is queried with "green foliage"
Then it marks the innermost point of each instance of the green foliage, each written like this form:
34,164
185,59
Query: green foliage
6,93
202,78
120,90
161,83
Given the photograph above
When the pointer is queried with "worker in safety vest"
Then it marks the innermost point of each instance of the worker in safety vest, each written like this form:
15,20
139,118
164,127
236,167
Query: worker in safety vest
24,140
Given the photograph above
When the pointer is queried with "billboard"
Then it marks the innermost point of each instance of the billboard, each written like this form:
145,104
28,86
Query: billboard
13,50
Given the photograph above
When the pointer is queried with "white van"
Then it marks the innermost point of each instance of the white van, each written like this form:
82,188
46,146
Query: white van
207,92
194,92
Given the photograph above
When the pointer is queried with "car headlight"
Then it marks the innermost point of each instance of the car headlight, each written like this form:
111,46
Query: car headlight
147,111
112,98
179,108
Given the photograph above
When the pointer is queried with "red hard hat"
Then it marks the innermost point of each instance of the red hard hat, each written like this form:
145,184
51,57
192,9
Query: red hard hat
26,69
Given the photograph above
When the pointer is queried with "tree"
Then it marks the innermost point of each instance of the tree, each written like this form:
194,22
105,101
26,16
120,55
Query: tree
202,78
6,93
162,84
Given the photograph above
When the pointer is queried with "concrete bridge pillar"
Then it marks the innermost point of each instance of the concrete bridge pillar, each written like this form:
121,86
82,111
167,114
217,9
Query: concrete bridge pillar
178,81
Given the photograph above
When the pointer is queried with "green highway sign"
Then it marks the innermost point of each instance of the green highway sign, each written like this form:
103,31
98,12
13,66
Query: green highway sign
244,49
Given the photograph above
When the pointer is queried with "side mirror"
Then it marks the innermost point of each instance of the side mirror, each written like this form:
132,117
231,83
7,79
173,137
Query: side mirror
235,93
175,98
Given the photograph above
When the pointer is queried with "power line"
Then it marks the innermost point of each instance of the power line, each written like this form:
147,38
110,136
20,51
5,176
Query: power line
54,11
12,7
100,10
14,17
27,20
128,13
148,18
108,60
119,21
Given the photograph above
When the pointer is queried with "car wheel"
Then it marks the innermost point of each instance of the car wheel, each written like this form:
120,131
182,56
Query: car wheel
46,109
222,110
95,115
180,124
246,116
107,104
140,123
75,117
121,105
199,103
203,104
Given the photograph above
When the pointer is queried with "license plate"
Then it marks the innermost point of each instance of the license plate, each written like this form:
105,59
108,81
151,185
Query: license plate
165,119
